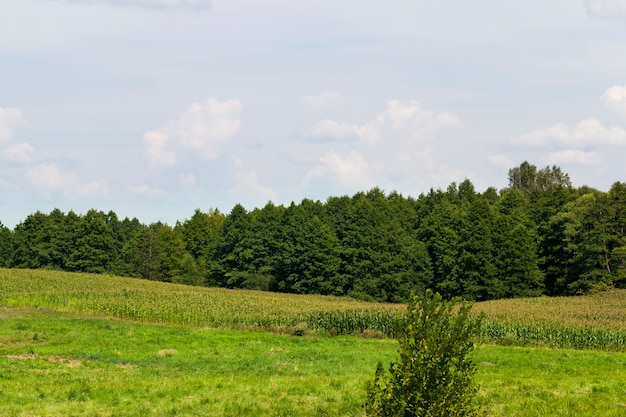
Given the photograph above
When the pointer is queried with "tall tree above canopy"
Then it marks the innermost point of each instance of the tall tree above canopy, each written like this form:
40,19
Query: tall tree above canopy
529,179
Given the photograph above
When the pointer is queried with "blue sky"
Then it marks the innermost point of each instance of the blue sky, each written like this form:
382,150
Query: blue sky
153,108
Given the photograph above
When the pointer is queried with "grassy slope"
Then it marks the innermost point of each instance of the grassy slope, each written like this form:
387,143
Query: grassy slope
60,364
55,364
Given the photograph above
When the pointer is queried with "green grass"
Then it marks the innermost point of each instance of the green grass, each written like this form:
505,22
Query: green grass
91,345
537,382
62,364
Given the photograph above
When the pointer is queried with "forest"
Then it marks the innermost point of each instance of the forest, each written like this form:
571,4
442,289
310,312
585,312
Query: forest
538,236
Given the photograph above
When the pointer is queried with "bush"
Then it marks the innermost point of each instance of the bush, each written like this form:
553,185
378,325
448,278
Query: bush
434,377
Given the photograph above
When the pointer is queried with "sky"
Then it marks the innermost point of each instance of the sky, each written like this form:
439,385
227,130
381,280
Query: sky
155,108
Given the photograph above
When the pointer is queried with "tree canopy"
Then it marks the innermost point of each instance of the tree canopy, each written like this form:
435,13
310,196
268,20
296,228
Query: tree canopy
538,236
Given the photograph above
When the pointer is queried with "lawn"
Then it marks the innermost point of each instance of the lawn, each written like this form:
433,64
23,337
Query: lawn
94,345
66,364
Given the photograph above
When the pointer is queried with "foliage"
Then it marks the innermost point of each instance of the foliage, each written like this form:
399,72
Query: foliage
530,180
434,376
6,246
95,246
539,236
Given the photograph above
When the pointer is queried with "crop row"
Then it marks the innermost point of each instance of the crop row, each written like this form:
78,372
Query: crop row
139,300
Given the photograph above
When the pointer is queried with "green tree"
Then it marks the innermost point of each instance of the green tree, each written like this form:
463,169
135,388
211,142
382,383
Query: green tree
515,247
146,253
233,253
585,230
264,244
6,246
157,252
380,253
340,218
434,376
308,259
553,257
617,218
44,240
174,260
478,275
129,231
530,180
440,230
201,233
94,247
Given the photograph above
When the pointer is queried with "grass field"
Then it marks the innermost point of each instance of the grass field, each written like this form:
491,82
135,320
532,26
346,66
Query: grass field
87,345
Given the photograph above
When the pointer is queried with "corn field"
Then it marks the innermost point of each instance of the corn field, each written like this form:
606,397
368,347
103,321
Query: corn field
589,322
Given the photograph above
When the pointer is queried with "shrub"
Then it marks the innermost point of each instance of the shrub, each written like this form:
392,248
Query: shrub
434,376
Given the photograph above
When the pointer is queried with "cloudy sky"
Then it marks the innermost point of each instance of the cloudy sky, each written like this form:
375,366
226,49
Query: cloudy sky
153,108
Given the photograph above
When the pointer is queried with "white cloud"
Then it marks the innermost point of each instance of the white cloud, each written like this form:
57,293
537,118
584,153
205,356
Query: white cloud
205,125
89,189
249,187
152,4
49,178
10,118
329,129
587,143
396,147
188,180
19,152
615,98
146,190
606,9
201,128
6,184
409,119
500,160
155,147
321,100
589,132
350,170
573,156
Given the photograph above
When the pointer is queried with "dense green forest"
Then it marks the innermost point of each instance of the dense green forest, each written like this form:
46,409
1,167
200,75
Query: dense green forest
540,235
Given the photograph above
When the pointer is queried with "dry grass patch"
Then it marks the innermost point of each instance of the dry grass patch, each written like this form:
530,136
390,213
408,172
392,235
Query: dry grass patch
27,356
166,353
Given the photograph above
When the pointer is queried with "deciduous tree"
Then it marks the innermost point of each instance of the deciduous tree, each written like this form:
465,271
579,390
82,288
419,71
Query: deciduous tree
434,376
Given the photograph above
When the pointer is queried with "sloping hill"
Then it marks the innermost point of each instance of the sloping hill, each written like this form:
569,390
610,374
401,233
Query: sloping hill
588,322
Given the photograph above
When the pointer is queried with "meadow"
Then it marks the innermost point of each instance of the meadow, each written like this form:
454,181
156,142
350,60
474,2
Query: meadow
91,345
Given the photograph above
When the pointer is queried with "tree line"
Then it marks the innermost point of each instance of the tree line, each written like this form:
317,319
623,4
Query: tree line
540,235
